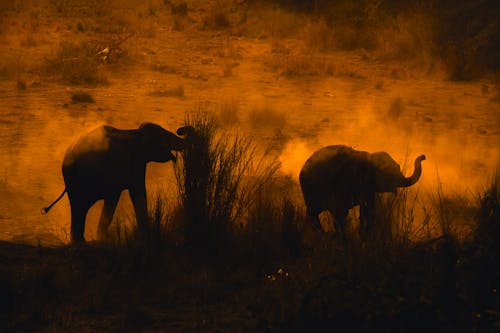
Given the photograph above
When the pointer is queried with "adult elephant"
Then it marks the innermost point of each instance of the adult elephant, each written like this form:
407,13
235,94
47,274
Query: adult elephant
337,178
106,161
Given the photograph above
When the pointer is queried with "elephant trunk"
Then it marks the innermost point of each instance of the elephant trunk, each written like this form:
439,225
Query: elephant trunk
409,181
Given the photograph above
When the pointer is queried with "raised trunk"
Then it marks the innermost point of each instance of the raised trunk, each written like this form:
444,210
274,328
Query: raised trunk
409,181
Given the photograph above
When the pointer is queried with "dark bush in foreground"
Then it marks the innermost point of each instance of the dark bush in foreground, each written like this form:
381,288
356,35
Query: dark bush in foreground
218,180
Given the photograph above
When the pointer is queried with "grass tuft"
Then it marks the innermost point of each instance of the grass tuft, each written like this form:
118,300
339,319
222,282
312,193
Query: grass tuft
81,97
218,180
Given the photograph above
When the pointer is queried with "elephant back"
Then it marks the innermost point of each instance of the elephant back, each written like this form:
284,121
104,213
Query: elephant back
337,168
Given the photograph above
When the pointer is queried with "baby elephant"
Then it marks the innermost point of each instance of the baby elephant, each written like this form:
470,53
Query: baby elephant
106,161
337,178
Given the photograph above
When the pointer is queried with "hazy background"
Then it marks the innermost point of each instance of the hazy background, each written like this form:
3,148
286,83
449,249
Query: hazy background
295,75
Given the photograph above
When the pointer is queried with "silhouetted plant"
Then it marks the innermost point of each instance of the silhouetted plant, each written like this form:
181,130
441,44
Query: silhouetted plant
488,217
275,223
219,178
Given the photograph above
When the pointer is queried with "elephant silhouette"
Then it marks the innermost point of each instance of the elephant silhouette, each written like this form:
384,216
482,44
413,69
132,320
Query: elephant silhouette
106,161
337,178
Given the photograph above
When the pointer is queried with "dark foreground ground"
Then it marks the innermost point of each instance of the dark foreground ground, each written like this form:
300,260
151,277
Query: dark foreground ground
437,285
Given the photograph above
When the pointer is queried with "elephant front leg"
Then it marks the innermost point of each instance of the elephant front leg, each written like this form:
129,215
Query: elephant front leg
340,221
108,210
138,196
366,215
313,216
339,209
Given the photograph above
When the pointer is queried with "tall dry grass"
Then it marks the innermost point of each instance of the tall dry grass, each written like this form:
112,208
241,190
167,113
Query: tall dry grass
219,177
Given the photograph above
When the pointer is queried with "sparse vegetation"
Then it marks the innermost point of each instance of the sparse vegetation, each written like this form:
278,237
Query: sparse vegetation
177,91
218,16
297,65
180,8
81,97
219,178
76,63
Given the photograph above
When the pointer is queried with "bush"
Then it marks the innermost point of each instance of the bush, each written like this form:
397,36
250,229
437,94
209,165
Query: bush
218,16
218,181
177,91
76,63
81,97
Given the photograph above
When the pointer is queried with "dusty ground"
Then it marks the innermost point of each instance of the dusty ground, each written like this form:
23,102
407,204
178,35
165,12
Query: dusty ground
174,64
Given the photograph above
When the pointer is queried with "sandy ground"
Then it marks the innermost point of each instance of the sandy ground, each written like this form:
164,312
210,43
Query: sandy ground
364,103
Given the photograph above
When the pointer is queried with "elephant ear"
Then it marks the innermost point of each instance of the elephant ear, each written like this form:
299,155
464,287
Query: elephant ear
387,173
156,143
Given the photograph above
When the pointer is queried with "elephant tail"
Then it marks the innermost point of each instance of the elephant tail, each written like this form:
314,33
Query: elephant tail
45,210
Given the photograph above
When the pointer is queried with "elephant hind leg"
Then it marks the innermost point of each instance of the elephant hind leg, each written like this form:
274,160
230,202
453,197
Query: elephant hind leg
108,210
312,214
78,214
340,219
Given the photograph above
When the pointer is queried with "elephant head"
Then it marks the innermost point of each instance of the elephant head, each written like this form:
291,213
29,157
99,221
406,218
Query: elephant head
387,175
337,178
156,143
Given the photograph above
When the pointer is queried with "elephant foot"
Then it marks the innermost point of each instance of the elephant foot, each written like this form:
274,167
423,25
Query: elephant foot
102,235
78,242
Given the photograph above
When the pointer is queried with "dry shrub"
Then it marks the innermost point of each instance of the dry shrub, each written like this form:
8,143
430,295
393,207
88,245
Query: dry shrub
275,224
407,36
180,8
272,22
278,47
81,97
163,68
218,16
177,91
467,37
219,177
488,215
229,49
397,223
82,8
76,63
296,64
21,84
318,36
454,211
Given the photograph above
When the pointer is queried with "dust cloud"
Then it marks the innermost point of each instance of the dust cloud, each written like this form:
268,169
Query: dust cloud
456,154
